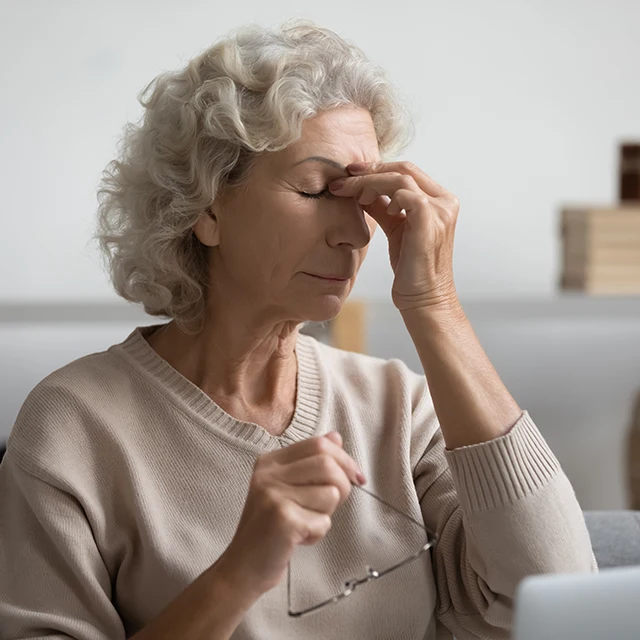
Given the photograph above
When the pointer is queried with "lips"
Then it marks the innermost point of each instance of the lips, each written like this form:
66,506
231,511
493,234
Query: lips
332,277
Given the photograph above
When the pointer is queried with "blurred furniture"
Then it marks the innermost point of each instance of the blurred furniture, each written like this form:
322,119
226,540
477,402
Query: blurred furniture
615,537
346,331
601,249
629,170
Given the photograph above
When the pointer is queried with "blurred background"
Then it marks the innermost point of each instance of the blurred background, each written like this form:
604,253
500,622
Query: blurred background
528,111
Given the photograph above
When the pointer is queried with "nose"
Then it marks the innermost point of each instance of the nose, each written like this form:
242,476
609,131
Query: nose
348,225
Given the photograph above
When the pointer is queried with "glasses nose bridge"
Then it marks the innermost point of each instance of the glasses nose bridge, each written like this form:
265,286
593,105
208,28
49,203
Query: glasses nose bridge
351,585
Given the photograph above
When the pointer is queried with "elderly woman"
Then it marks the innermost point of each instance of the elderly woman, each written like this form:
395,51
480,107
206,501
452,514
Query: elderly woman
161,489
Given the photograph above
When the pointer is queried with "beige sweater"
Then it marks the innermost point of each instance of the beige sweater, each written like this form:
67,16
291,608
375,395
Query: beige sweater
123,482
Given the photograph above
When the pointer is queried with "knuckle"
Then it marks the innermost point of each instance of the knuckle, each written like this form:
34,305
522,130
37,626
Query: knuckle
368,195
346,489
451,199
321,445
283,513
317,529
408,166
327,464
407,181
260,479
319,526
271,498
334,496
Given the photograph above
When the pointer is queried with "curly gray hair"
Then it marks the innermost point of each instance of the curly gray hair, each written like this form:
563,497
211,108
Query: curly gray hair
201,128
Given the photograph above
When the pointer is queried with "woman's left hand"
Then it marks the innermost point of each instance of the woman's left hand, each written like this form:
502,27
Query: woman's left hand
420,237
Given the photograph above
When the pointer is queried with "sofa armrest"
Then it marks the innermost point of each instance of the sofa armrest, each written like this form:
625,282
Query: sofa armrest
615,537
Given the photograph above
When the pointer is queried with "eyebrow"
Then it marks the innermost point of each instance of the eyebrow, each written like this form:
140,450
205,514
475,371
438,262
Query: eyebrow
331,163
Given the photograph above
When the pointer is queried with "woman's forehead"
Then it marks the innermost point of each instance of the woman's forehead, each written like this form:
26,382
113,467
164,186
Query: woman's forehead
329,141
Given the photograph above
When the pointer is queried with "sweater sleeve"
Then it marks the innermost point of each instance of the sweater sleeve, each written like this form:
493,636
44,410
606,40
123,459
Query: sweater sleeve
503,510
53,582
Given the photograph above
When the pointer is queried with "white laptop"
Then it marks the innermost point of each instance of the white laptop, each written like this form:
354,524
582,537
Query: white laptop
579,606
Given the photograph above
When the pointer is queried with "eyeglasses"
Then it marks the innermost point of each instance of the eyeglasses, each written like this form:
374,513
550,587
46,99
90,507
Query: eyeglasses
371,574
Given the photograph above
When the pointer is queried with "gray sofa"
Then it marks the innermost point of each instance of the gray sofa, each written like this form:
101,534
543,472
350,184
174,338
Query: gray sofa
615,537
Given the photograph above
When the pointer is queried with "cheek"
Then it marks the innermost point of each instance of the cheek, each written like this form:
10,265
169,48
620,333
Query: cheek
273,236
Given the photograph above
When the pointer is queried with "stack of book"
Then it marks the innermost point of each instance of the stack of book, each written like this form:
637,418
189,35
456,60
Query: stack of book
601,249
629,172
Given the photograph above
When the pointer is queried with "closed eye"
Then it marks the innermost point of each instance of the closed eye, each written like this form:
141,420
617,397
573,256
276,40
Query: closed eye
320,194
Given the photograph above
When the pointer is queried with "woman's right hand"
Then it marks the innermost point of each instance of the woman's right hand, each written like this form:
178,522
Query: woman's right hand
292,495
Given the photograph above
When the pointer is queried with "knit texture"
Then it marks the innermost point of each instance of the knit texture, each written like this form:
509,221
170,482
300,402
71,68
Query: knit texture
123,482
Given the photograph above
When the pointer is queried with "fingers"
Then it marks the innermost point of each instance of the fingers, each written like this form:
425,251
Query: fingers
311,525
317,447
335,437
322,499
371,190
367,188
409,201
424,182
321,470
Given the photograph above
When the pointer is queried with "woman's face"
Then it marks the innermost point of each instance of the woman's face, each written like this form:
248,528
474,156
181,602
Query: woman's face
294,256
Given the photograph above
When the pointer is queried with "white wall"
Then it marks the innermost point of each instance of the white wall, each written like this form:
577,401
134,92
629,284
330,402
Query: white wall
520,107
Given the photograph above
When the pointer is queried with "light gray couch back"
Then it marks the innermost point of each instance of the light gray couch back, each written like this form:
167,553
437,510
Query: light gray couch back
615,537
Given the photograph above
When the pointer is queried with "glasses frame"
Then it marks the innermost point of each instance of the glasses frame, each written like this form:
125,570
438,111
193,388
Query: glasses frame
372,574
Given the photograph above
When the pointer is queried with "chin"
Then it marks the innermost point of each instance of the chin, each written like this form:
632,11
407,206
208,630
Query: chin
320,309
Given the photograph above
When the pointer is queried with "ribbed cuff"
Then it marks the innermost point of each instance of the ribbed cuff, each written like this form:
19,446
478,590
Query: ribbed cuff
499,472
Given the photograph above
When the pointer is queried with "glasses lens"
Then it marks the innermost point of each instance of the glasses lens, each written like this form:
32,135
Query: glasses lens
368,536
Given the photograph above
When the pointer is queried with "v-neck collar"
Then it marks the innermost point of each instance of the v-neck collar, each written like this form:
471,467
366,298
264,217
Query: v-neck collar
309,392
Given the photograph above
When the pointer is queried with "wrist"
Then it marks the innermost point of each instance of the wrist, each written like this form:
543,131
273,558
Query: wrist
229,584
445,312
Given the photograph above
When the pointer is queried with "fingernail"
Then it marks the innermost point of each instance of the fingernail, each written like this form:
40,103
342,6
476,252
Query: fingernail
355,167
360,477
336,185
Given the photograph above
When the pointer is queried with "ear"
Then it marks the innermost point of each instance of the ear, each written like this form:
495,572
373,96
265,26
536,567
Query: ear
207,229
